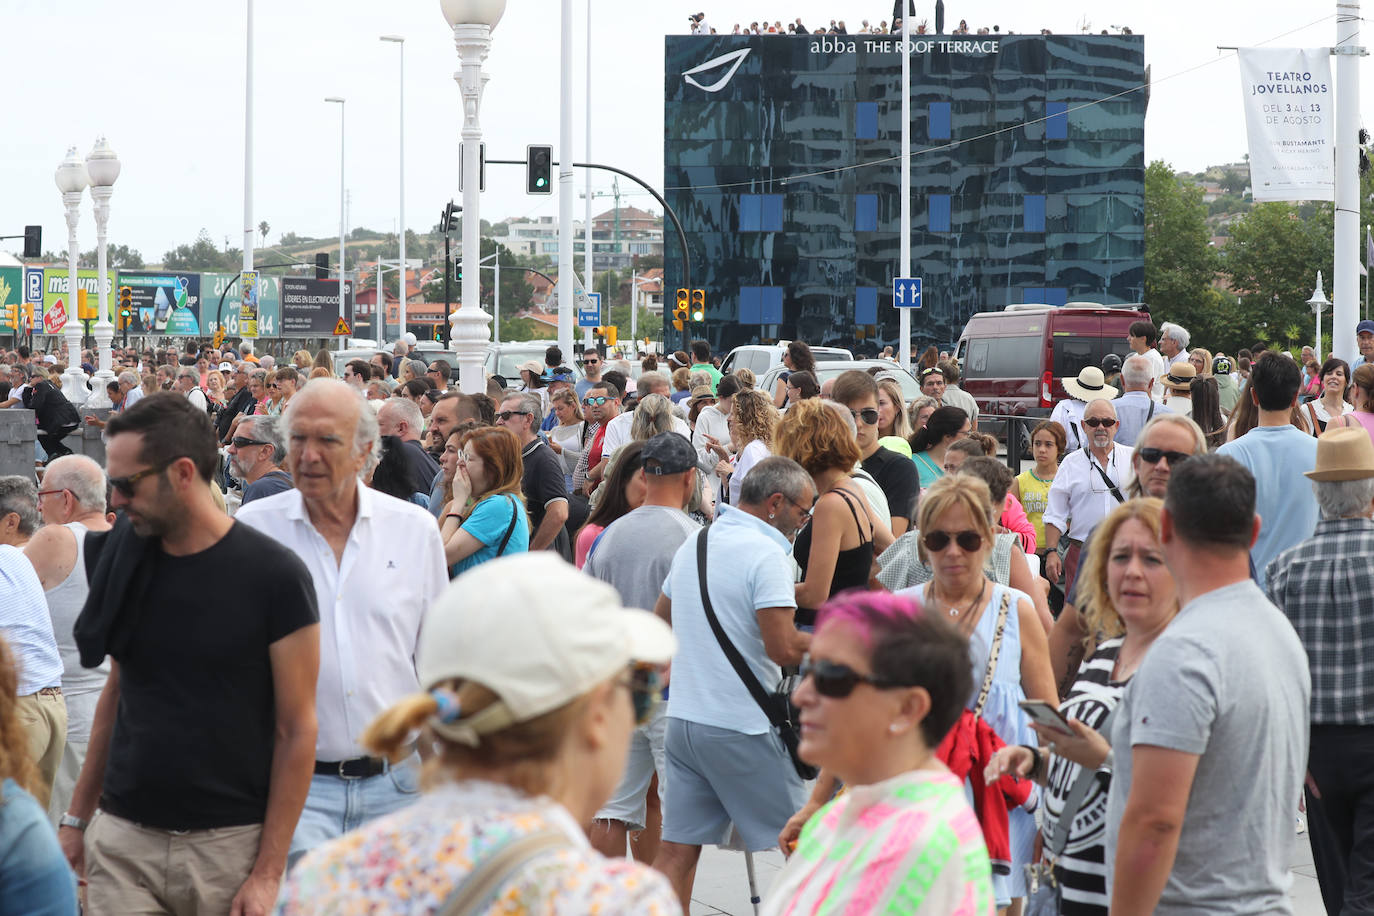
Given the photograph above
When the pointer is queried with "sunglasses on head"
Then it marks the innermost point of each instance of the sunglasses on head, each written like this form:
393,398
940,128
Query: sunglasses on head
869,415
645,683
836,681
1153,455
594,402
936,541
1095,422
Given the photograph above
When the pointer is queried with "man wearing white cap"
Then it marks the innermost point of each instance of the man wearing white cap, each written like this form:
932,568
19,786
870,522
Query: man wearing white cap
1090,385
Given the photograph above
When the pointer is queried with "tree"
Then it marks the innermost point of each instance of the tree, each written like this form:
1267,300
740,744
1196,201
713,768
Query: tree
116,256
203,254
1272,259
1180,262
1234,181
263,229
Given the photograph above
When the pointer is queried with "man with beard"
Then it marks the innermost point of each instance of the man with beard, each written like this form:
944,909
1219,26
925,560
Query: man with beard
255,456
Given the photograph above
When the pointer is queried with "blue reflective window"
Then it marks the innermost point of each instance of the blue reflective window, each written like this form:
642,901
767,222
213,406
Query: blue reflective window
865,213
1033,212
937,127
866,305
937,213
1033,295
1056,295
770,311
1057,121
750,208
772,213
866,120
749,304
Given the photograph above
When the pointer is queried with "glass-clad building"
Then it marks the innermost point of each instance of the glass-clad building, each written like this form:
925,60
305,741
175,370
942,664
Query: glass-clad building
782,160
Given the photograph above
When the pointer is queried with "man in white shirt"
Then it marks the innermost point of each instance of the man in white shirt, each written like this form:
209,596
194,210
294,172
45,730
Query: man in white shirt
377,563
1091,483
1173,343
188,383
1141,337
618,430
1090,386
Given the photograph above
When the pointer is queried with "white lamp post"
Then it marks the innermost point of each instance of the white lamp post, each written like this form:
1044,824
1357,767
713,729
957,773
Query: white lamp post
472,22
71,180
102,165
1317,303
343,218
401,134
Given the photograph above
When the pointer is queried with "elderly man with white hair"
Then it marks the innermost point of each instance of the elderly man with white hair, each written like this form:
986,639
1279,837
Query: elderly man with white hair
1173,342
401,417
1136,407
377,564
188,383
72,503
132,386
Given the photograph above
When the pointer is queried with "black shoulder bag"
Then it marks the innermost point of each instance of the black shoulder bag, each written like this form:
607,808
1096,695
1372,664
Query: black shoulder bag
777,706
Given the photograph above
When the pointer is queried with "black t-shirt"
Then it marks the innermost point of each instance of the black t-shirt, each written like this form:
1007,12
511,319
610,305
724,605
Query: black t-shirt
420,466
897,477
543,479
195,726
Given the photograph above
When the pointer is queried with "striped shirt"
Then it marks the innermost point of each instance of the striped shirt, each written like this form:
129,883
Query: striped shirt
25,624
1082,867
909,845
1323,586
579,476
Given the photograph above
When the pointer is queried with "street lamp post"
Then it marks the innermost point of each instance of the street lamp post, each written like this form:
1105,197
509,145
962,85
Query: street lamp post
1317,304
472,22
401,134
71,180
102,165
343,219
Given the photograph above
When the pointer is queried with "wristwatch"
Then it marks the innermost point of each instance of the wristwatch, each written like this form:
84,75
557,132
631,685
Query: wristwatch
71,820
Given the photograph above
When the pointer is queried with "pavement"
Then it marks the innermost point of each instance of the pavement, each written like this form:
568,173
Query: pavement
722,886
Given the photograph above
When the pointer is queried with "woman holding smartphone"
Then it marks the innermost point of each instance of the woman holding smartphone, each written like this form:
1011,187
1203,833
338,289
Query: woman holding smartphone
1128,596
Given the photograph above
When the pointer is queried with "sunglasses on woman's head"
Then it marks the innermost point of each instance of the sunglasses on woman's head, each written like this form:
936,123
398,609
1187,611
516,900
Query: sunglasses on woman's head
837,681
936,541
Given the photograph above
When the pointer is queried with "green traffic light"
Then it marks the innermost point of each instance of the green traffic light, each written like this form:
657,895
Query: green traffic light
539,182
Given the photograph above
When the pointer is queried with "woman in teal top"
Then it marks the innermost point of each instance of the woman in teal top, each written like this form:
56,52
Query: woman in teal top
485,518
928,444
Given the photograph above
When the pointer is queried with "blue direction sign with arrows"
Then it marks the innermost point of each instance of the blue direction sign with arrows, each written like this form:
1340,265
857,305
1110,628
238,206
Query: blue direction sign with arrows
590,316
906,292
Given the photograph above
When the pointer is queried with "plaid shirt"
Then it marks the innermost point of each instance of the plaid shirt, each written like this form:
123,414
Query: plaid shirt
1325,586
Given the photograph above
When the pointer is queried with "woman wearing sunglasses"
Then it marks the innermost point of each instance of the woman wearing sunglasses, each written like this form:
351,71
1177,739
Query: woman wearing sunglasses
1004,632
622,493
1128,597
884,682
945,426
485,517
530,738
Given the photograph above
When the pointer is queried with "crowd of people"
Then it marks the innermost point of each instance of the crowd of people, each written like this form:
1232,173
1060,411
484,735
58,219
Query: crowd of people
700,25
938,686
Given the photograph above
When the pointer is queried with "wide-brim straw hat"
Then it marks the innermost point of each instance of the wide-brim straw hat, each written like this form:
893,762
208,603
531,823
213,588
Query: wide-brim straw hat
701,393
1343,453
1091,385
1179,377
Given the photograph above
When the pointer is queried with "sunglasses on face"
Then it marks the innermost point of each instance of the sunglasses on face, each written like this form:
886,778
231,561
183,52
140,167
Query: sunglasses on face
645,684
594,402
968,541
1153,456
244,442
836,681
869,415
505,415
1095,422
125,485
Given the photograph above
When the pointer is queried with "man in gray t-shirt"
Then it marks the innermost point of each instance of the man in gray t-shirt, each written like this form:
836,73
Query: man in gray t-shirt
635,554
1209,744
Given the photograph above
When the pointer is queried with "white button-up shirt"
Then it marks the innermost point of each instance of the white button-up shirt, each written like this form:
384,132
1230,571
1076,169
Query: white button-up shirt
371,604
1079,497
618,431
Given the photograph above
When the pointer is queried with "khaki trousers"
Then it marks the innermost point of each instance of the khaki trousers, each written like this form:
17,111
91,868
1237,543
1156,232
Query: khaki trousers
133,870
43,716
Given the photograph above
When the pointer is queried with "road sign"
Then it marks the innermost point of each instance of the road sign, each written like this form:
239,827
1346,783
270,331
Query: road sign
590,316
906,292
341,328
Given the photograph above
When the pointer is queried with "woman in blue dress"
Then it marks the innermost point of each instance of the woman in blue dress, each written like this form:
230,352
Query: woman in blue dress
956,534
485,518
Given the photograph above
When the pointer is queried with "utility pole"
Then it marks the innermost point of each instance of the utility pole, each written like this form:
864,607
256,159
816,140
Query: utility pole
1345,294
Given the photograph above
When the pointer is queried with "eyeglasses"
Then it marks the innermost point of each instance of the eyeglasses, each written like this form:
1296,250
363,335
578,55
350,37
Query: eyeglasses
1095,422
645,684
244,442
125,485
936,541
869,415
836,681
465,458
806,511
594,402
42,493
1153,456
505,415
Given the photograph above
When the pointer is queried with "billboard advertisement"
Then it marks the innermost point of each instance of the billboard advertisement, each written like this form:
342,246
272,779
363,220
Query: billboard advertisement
55,280
11,298
213,286
165,302
310,308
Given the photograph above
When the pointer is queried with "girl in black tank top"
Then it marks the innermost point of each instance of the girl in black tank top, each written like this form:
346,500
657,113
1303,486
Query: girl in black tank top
852,566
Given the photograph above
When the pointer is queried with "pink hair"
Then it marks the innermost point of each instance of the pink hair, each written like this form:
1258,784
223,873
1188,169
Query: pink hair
867,612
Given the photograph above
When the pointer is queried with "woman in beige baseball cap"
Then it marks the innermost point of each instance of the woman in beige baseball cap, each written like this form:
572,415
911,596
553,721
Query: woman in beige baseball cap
534,678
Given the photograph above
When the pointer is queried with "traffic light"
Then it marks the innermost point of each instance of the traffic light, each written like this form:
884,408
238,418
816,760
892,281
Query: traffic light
698,305
538,169
439,333
33,241
126,307
448,220
680,310
458,272
7,314
84,311
611,333
28,316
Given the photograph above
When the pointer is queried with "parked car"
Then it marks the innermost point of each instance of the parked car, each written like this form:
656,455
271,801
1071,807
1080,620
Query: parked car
760,358
879,368
1014,361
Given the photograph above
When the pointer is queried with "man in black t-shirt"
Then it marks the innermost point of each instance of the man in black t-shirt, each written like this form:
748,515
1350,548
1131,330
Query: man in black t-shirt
400,417
203,743
895,473
544,485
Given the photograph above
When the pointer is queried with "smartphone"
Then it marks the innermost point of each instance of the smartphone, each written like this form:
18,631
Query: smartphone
1042,713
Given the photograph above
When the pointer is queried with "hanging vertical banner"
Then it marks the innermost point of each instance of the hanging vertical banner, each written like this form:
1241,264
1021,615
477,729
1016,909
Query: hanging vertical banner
1290,117
248,308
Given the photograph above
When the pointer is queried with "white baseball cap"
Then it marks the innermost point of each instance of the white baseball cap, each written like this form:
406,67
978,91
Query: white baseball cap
537,632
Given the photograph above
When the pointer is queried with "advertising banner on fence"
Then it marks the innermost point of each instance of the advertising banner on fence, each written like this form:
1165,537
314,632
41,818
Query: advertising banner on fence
310,308
55,280
1290,115
214,286
165,302
248,304
11,298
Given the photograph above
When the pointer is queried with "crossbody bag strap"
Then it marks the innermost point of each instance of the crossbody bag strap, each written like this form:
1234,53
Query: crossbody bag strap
1058,838
1151,412
473,895
1107,480
510,529
737,661
996,650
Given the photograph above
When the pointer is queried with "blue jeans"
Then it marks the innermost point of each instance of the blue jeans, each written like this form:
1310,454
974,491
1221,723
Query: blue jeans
336,805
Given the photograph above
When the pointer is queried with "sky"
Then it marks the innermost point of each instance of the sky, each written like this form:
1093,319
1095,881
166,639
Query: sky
163,80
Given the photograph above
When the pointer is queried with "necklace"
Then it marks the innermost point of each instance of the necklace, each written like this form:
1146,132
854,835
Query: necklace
953,609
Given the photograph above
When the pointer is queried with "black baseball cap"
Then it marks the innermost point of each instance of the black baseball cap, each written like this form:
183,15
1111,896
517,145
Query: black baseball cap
668,453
